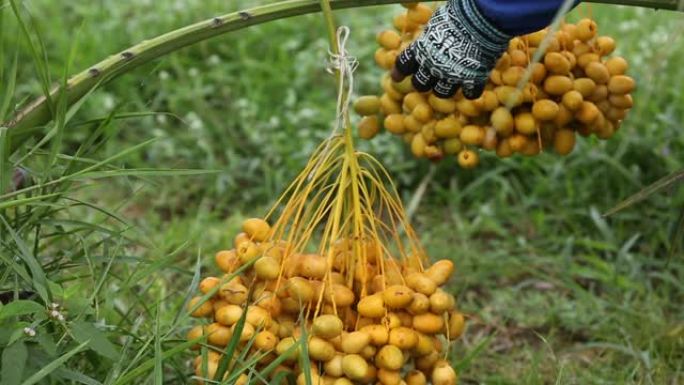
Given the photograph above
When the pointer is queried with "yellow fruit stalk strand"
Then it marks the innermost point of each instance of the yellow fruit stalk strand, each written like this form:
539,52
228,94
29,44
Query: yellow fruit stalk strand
342,260
576,88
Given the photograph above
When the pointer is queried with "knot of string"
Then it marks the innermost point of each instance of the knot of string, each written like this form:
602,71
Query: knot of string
345,64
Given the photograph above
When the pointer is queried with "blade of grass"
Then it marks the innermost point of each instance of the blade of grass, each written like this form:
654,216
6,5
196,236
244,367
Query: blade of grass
279,360
2,45
278,378
5,168
96,133
647,192
95,166
41,67
129,378
157,265
39,199
204,353
678,237
86,331
89,145
101,281
464,364
124,116
233,344
10,84
38,278
85,225
61,112
52,366
182,314
241,364
142,351
559,376
69,114
18,269
101,209
76,376
138,172
128,337
70,158
304,361
158,352
246,367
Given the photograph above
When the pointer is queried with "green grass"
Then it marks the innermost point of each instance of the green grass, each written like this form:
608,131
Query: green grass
556,293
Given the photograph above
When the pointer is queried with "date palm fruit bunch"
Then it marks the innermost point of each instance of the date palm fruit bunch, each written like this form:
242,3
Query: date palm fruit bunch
576,87
334,274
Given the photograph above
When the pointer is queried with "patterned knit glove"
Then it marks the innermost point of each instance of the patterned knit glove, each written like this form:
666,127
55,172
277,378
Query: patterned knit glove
458,49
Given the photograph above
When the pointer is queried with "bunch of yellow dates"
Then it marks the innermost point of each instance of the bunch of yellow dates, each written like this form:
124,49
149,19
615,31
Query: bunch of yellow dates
527,106
384,321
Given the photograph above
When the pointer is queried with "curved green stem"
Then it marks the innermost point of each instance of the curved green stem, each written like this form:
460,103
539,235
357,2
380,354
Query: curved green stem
330,24
37,113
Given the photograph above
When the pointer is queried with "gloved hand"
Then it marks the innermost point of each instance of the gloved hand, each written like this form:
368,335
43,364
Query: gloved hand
458,49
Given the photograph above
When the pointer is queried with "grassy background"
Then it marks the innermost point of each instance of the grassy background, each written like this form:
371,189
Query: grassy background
556,293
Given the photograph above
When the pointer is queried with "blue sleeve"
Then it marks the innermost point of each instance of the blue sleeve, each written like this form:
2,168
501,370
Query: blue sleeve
520,16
